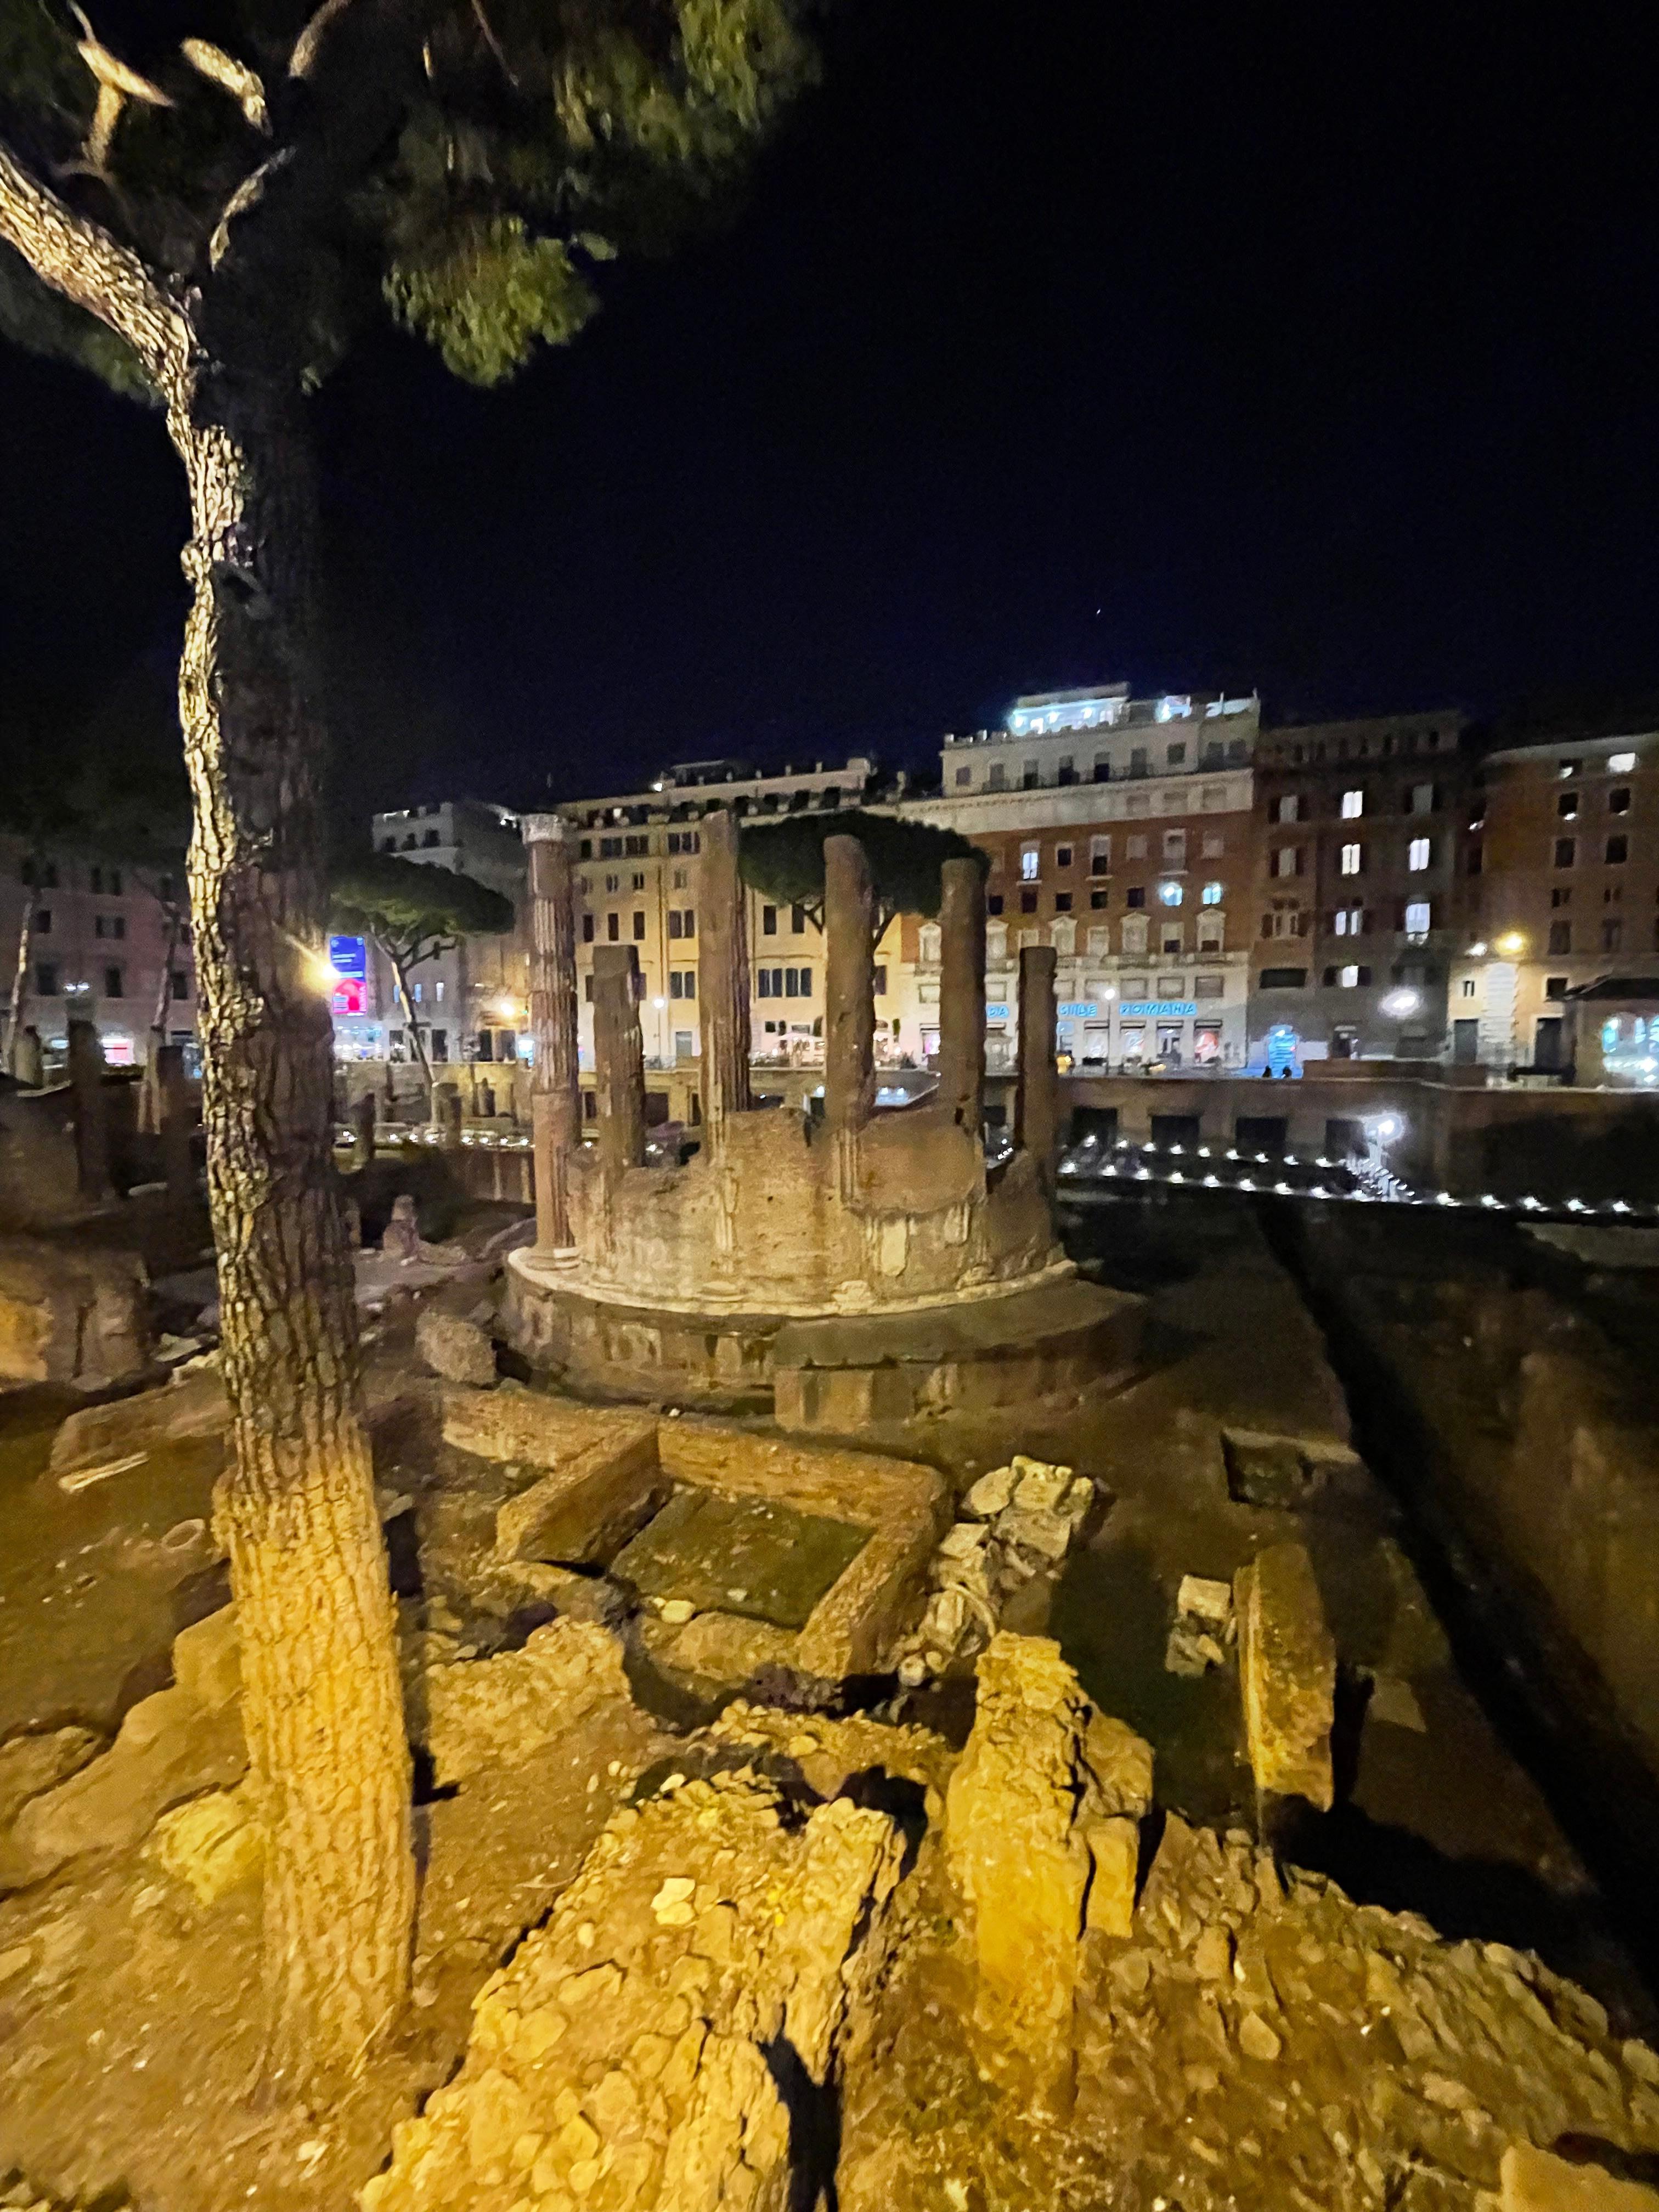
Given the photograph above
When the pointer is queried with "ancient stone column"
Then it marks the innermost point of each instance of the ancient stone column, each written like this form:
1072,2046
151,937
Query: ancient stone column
446,1114
555,1106
961,994
849,987
178,1166
618,1058
364,1112
86,1075
1036,1100
722,976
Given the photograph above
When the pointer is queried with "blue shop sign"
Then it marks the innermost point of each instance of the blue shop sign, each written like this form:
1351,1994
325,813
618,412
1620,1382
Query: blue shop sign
996,1013
349,957
1087,1010
1161,1010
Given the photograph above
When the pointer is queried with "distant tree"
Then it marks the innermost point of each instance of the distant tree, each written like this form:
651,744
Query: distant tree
208,227
413,913
783,861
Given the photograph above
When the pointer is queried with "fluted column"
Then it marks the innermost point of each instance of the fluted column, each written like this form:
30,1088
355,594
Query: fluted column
722,976
849,987
618,1059
961,994
1036,1102
556,1093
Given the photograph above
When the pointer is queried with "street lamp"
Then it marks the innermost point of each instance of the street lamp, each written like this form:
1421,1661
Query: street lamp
1398,1004
1511,944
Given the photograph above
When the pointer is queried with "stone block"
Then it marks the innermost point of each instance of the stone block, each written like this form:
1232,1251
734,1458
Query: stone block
32,1764
991,1494
192,1404
586,1509
207,1660
1287,1675
1113,1855
1120,1767
71,1314
1200,1598
213,1844
497,1712
1041,1488
531,1427
1018,1857
1036,1529
455,1348
1533,2180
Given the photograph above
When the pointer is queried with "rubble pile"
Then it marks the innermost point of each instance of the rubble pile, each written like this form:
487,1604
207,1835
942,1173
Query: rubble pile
621,2059
1018,1522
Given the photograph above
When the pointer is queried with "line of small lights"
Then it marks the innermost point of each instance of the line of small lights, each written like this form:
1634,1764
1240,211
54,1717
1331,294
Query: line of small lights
1391,1190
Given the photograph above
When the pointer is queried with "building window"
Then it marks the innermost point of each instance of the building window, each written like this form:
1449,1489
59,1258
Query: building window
1618,850
1567,806
1288,808
1469,987
1349,921
613,882
880,972
682,983
769,921
965,778
1103,769
1620,764
178,984
1175,848
636,848
1030,864
1134,848
1284,979
1418,912
1210,894
797,982
114,983
684,841
682,921
639,926
45,978
1100,856
583,851
613,928
1560,937
1176,756
1612,935
109,925
1062,856
1136,897
994,903
1214,844
1417,854
1353,806
1352,860
997,778
1566,852
1062,902
42,923
1028,902
1099,900
1619,801
416,991
1555,986
1209,986
611,848
1031,775
638,880
1561,896
1420,798
1287,861
680,879
587,929
1170,895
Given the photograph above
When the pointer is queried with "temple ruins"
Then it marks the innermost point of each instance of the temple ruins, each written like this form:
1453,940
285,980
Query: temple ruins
867,1265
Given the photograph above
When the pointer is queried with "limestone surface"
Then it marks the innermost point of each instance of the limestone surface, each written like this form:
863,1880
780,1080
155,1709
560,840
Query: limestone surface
32,1764
620,2058
1287,1675
455,1348
497,1711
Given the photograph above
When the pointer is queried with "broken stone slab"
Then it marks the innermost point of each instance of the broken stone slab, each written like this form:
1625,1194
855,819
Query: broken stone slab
213,1845
530,1427
991,1494
30,1765
1287,1675
207,1660
724,1648
1114,1856
497,1711
456,1349
620,2058
1040,1486
75,1315
963,1540
1535,2180
1036,1530
192,1403
1019,1854
1394,1702
168,1747
1200,1599
587,1508
1192,1651
1119,1767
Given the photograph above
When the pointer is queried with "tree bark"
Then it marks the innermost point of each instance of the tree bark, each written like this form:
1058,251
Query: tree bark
20,978
321,1699
417,1042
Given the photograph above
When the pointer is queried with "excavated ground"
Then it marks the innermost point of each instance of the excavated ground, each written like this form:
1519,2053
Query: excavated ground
1256,2041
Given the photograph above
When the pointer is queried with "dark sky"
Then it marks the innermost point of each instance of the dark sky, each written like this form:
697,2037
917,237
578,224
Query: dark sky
1310,350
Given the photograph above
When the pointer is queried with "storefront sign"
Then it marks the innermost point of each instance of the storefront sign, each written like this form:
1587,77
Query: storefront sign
349,956
1161,1010
1086,1009
996,1013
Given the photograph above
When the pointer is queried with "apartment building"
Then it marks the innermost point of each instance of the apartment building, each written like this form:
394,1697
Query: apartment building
100,948
1120,831
1359,895
638,856
1563,848
471,1002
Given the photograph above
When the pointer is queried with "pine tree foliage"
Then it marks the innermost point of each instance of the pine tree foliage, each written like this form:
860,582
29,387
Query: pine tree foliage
783,861
471,164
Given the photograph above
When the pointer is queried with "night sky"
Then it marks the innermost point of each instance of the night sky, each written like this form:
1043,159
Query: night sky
1309,350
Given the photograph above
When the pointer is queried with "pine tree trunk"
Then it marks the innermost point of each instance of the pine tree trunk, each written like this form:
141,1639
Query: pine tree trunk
321,1697
20,978
417,1042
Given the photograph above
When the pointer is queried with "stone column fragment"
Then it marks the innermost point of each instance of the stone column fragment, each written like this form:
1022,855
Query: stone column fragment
1036,1101
555,1095
618,1059
961,994
178,1167
722,976
86,1075
849,990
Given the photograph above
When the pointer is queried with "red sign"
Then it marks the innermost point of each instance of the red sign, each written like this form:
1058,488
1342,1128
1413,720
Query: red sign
349,996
